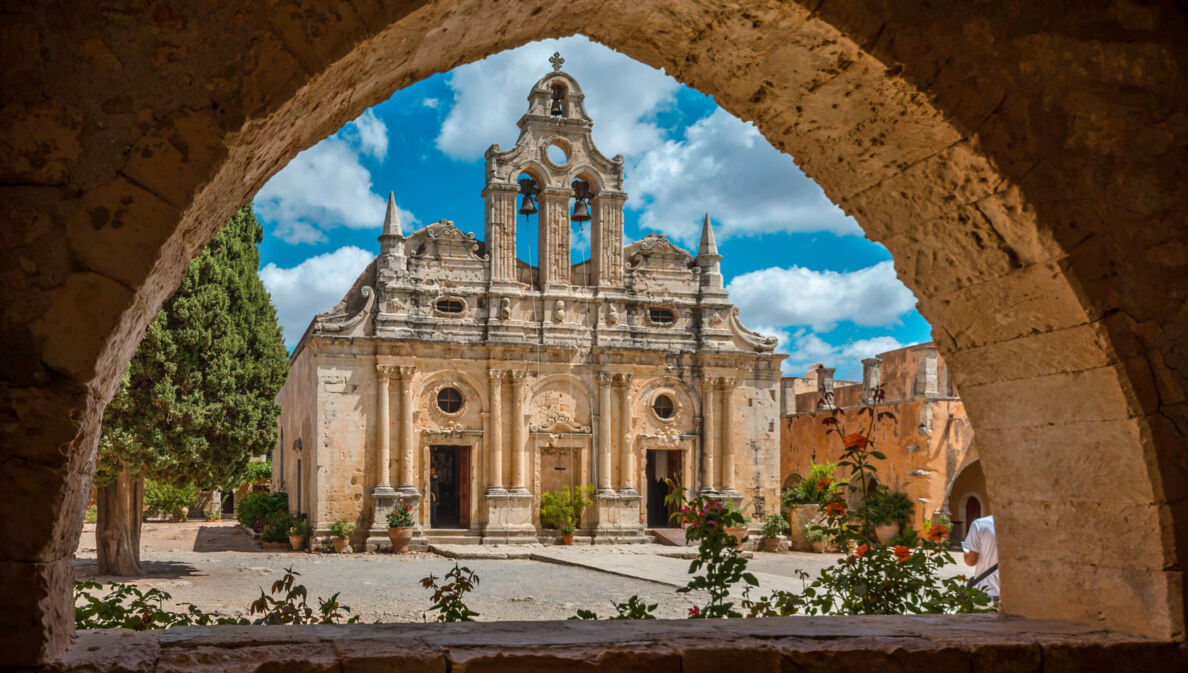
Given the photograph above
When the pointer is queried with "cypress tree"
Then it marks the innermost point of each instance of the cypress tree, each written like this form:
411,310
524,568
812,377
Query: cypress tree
198,399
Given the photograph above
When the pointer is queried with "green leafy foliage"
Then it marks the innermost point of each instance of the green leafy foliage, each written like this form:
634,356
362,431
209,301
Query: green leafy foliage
287,605
254,510
259,472
342,528
885,507
212,514
818,487
721,566
401,515
91,515
199,397
448,595
774,525
166,500
814,533
125,606
298,526
564,507
633,608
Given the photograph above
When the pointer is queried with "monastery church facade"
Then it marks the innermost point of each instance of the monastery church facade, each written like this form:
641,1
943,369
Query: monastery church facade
466,382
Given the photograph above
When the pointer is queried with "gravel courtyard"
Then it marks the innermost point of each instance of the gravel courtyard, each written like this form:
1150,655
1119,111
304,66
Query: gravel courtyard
216,566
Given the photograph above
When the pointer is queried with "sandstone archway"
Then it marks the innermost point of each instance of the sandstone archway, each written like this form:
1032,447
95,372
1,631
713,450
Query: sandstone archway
1022,168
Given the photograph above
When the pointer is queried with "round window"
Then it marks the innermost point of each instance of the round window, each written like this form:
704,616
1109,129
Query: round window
557,155
449,400
663,406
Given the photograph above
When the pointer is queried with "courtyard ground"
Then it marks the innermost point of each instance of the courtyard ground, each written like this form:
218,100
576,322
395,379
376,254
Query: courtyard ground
217,566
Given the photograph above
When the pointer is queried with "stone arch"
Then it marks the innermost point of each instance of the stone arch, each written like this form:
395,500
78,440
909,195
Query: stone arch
1022,173
572,383
641,396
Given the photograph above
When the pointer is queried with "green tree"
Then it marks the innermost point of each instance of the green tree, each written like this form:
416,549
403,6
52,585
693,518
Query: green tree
198,399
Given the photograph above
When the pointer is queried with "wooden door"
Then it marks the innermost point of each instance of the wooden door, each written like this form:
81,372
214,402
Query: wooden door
464,487
675,475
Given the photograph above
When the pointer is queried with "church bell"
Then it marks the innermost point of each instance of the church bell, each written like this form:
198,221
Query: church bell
581,212
529,206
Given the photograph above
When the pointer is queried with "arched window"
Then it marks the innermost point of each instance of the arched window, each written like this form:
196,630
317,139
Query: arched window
663,407
449,400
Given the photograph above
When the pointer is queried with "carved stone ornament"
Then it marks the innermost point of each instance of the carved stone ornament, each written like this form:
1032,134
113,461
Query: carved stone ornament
557,421
612,315
431,402
341,323
505,309
661,440
559,311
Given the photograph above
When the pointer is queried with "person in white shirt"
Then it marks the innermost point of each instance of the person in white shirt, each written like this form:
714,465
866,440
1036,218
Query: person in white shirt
981,552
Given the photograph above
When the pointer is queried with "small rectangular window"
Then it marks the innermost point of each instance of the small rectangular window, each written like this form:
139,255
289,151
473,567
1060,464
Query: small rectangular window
450,306
661,316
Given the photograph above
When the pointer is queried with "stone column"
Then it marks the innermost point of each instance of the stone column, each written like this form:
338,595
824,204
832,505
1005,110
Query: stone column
501,230
554,237
383,496
606,238
604,433
927,378
626,451
727,442
407,484
518,448
383,375
495,433
872,378
708,432
825,399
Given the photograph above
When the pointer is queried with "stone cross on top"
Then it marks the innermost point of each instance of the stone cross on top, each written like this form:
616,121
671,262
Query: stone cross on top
557,61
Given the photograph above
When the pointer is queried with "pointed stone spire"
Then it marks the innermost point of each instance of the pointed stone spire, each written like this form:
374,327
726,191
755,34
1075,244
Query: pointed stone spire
708,247
708,258
392,238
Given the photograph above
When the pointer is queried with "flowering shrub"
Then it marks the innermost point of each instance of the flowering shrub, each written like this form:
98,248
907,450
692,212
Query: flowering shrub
401,515
706,520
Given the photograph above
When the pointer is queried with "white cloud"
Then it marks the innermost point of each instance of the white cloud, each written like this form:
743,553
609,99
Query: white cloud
871,297
369,134
327,186
805,349
313,286
431,102
723,166
622,96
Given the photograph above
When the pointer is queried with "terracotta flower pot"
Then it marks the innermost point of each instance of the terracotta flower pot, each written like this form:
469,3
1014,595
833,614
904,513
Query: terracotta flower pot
771,544
739,534
886,532
400,537
820,546
297,542
341,544
567,538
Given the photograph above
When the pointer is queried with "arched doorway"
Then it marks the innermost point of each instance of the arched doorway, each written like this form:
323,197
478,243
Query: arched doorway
968,498
1028,205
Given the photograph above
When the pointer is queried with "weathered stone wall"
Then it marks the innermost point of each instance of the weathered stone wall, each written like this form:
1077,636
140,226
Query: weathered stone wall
1020,161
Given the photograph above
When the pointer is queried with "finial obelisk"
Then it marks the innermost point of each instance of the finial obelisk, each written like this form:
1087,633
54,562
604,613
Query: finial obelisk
708,257
557,61
392,238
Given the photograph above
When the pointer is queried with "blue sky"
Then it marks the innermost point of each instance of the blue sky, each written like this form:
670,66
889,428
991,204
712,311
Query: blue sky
797,267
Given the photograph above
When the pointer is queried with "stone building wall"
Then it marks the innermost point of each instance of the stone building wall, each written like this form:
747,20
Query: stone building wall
930,448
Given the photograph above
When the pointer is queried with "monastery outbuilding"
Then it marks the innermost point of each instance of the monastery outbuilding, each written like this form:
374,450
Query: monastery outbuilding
467,382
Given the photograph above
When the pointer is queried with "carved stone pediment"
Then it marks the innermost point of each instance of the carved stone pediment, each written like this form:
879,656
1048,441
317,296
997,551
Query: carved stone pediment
656,252
443,240
660,440
557,421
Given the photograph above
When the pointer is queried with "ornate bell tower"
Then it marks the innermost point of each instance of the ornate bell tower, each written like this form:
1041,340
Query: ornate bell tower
554,162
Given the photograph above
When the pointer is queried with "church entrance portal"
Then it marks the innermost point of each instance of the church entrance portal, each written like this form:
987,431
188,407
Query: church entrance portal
662,465
449,487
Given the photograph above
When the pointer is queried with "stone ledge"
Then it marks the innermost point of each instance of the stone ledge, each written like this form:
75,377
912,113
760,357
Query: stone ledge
833,644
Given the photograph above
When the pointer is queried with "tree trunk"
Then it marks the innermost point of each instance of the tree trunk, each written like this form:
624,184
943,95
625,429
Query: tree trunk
117,532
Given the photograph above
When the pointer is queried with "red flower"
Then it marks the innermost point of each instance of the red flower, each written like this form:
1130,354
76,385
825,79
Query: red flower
938,533
902,552
694,611
862,549
835,508
824,483
855,441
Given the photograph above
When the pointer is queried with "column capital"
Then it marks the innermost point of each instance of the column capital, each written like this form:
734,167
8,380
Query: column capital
406,372
496,374
384,371
624,378
727,383
604,378
707,381
518,375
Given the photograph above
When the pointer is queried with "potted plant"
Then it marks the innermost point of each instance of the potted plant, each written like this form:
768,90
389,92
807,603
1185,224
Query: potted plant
567,534
298,531
802,500
340,532
400,526
563,508
888,512
773,527
816,537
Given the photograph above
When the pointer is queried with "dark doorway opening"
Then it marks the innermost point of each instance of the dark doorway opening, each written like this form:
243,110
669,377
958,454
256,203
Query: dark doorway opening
662,466
449,487
973,510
